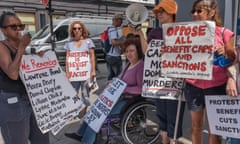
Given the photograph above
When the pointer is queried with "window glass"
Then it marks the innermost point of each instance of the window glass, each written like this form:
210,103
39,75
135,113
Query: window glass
61,33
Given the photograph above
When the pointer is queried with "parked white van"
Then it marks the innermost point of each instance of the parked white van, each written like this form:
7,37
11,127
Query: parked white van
41,41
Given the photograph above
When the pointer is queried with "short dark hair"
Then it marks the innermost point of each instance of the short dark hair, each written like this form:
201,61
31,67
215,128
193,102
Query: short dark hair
4,16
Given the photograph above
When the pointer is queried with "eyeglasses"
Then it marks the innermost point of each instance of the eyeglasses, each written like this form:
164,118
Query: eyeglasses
15,26
77,28
161,11
196,10
131,35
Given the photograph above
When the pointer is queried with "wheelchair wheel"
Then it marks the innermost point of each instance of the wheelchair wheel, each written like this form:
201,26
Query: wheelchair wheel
140,124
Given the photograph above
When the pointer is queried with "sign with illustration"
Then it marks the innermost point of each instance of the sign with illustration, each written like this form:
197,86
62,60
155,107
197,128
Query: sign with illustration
79,66
54,100
154,84
188,50
104,104
223,115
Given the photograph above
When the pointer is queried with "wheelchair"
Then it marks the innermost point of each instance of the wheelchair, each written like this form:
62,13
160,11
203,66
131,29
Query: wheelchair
137,123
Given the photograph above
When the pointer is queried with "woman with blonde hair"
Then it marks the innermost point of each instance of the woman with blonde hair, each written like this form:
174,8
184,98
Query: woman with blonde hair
79,42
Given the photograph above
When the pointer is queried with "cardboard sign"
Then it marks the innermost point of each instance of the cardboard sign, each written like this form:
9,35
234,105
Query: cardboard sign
52,97
223,115
104,104
79,66
188,50
154,84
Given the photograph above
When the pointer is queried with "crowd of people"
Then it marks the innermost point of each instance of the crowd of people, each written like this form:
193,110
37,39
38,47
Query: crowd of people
18,124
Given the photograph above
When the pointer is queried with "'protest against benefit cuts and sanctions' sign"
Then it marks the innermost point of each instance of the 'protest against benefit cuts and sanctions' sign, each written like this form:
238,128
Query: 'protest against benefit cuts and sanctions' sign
79,66
188,50
52,97
104,104
154,84
223,115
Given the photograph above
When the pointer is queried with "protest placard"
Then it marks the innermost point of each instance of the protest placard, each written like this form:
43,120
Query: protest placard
223,114
104,104
79,66
188,50
154,84
54,100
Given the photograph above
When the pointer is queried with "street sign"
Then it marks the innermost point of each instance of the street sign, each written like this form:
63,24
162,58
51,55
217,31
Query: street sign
45,2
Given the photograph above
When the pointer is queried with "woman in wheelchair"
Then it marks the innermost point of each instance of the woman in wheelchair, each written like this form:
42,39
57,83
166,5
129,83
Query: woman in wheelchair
132,75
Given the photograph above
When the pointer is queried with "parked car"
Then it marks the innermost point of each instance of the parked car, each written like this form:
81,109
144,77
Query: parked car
41,41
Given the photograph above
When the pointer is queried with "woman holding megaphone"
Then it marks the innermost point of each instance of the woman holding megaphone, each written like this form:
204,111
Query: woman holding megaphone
165,12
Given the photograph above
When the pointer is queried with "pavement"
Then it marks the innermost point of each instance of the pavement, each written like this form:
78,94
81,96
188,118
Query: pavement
60,138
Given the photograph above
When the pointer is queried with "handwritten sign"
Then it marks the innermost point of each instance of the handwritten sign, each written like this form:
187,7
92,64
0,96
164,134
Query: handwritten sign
52,97
154,84
79,66
188,50
223,115
104,104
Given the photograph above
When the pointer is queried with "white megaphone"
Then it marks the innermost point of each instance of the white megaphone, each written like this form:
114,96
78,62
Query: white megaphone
136,14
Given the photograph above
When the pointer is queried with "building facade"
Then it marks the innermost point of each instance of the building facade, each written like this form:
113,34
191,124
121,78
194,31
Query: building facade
35,15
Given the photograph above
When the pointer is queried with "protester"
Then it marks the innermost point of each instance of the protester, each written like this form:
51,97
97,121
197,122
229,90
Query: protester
17,121
165,12
132,75
196,89
113,57
80,42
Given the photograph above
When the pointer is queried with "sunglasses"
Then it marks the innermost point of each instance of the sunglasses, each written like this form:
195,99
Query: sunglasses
196,10
15,26
77,28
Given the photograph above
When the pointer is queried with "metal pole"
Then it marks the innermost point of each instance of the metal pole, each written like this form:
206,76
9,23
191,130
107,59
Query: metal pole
156,20
236,12
180,94
106,5
50,10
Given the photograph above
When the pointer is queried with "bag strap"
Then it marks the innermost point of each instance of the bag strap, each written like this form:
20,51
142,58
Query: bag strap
125,69
111,48
223,39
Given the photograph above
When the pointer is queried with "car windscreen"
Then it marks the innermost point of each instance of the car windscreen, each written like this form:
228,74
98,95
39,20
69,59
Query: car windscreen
43,32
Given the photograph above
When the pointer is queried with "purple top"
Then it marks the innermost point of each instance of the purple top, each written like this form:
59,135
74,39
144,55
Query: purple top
134,79
155,33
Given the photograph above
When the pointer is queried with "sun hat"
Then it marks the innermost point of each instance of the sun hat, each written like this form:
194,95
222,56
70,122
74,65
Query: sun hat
170,6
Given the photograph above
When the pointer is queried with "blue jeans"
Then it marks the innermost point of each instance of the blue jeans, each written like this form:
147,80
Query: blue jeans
17,121
233,141
114,66
89,135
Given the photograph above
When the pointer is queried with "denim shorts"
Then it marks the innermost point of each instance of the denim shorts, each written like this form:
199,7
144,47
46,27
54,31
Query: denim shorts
195,97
